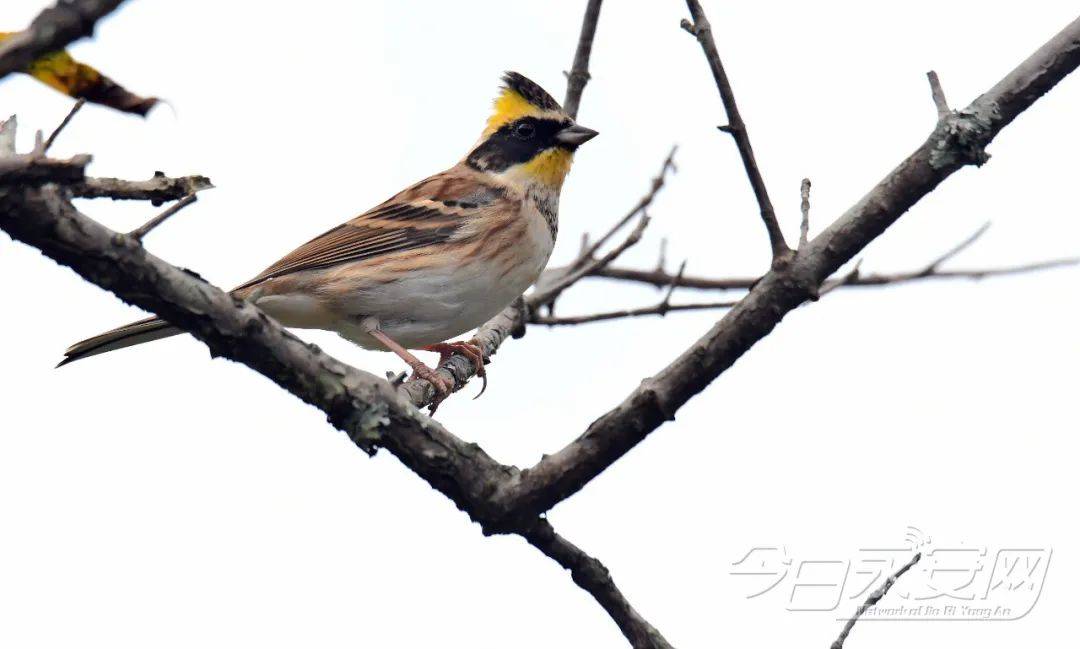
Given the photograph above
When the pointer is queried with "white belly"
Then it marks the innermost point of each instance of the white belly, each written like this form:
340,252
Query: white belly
442,303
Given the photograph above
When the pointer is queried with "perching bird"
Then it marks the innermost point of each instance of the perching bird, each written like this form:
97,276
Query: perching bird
433,262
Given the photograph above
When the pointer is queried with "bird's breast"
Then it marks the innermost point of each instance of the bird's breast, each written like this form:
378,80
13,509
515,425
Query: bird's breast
464,285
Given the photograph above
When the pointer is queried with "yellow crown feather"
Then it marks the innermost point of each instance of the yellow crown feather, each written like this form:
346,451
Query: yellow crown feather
509,106
520,97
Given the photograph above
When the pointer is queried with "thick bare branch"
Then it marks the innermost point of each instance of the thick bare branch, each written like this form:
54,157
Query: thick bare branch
52,30
873,599
578,75
35,169
369,409
700,28
954,143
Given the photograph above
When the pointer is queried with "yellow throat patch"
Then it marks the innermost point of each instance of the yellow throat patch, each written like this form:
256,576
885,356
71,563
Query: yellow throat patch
549,167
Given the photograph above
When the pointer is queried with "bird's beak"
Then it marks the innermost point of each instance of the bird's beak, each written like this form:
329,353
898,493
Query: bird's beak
574,136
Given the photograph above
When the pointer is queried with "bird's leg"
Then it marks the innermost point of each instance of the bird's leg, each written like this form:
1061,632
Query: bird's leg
468,349
419,369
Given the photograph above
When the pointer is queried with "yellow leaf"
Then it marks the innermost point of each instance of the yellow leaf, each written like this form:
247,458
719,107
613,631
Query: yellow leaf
62,72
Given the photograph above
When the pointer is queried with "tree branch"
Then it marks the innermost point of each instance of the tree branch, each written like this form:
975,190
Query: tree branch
140,232
374,414
873,599
594,578
954,143
367,408
702,31
157,190
579,71
52,30
34,169
658,278
56,131
657,309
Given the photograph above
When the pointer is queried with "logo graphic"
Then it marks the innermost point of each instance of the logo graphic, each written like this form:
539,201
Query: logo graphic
952,581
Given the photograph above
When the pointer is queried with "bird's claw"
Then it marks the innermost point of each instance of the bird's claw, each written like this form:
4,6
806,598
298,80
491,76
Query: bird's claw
470,350
442,388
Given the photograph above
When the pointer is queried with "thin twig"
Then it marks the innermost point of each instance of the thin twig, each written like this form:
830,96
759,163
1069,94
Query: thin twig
873,599
545,294
702,31
804,227
660,279
654,188
140,232
932,267
52,137
938,94
578,75
656,309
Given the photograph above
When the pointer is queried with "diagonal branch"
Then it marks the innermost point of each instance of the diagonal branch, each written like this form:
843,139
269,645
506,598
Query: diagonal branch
367,408
370,410
63,124
873,599
140,232
593,577
955,142
702,31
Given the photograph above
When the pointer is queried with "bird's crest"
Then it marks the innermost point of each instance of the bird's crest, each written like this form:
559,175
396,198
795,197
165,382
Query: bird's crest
520,97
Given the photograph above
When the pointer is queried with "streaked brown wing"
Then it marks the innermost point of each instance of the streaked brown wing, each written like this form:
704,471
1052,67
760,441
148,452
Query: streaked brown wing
425,214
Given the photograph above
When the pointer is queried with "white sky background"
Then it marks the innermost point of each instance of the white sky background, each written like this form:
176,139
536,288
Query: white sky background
155,497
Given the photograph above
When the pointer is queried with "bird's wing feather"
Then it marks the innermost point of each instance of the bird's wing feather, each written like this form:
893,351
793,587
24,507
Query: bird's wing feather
428,213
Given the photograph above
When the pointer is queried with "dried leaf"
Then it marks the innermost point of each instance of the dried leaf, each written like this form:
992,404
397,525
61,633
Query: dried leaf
62,72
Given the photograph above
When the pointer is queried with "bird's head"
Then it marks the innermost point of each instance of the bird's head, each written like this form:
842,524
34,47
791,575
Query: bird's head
528,138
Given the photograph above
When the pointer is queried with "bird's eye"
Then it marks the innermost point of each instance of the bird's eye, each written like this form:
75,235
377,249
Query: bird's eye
524,131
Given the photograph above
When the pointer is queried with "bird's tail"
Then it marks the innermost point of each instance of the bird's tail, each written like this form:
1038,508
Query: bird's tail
135,333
